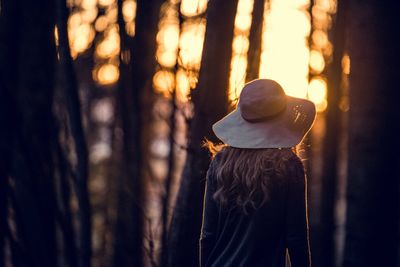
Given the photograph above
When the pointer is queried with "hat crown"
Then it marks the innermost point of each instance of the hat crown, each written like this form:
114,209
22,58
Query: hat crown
261,99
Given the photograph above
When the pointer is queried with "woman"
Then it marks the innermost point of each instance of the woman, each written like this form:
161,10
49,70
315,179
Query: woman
255,202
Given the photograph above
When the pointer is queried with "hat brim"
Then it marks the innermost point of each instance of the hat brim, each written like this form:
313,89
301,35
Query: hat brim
287,129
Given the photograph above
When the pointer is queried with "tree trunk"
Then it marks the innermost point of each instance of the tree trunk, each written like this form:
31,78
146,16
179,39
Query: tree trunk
373,177
255,39
135,81
210,104
69,85
8,41
27,74
326,257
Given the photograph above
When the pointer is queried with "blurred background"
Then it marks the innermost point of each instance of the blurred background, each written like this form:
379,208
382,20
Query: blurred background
105,105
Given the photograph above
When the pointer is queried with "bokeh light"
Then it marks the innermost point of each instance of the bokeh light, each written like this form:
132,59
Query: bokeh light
240,47
106,74
182,85
106,3
129,10
109,47
346,64
164,82
317,61
191,8
317,90
179,47
191,43
101,23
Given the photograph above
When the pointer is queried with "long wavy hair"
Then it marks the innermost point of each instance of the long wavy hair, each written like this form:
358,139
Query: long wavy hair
244,176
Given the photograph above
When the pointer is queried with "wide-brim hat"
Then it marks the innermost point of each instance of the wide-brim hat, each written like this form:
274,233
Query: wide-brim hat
266,117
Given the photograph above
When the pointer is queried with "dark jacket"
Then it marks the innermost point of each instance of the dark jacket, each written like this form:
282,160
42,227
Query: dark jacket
231,238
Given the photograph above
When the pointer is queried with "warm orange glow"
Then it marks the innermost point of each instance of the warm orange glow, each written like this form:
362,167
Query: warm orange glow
168,36
191,8
317,90
88,4
182,86
320,38
191,44
238,75
101,23
106,74
56,35
129,10
80,29
166,58
240,46
105,3
164,82
328,6
130,28
81,38
109,47
346,64
74,20
89,15
112,14
242,22
317,62
344,104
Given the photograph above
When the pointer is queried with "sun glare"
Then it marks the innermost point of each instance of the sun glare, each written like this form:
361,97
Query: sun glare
285,53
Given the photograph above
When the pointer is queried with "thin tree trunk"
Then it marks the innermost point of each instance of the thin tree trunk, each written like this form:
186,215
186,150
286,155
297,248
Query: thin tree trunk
135,81
255,38
210,104
373,177
171,165
331,142
71,95
168,180
65,213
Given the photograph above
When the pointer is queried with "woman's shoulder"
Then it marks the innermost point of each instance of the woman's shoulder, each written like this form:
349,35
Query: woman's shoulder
295,168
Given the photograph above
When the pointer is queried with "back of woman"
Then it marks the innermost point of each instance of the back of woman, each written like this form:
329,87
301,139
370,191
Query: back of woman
255,204
256,208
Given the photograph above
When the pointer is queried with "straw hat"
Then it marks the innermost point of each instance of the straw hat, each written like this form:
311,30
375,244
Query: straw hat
266,118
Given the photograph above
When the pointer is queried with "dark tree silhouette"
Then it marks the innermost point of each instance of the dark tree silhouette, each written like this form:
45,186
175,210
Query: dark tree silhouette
326,257
7,51
28,59
71,98
210,104
135,82
255,38
373,176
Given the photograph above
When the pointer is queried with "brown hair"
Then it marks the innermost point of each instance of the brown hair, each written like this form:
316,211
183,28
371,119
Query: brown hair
244,175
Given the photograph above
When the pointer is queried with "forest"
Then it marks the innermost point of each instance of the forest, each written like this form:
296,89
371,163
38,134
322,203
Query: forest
105,106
